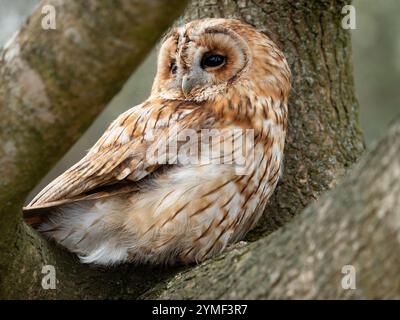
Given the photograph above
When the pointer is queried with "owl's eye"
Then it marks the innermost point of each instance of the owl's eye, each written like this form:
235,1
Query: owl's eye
173,67
212,60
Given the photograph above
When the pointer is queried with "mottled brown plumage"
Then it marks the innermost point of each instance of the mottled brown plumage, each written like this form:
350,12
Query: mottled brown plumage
128,201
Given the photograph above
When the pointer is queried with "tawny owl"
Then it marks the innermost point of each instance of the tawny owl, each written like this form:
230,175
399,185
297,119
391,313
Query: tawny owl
123,203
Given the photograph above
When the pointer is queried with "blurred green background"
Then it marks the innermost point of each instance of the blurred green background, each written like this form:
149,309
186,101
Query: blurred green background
376,57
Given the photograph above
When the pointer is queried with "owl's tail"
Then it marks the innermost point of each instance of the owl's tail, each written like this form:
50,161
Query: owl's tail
84,228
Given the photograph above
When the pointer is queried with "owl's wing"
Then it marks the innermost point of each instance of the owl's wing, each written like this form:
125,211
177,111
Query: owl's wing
121,156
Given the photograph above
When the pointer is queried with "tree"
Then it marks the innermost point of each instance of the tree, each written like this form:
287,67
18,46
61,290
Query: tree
353,228
53,83
324,133
302,259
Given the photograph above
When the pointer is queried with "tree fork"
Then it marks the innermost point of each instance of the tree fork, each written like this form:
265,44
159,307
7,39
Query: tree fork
324,136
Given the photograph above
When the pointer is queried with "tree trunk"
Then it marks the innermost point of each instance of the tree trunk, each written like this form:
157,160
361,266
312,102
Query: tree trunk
324,132
302,259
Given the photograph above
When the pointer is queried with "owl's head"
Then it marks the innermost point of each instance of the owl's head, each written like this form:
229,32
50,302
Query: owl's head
206,57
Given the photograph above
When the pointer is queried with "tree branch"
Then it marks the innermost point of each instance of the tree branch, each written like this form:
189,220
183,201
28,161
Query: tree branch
356,224
53,83
49,102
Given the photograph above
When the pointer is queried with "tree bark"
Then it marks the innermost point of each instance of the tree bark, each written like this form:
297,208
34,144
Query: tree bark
53,83
39,76
356,224
324,136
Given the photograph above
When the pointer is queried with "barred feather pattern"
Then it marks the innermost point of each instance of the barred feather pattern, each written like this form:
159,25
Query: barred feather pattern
118,204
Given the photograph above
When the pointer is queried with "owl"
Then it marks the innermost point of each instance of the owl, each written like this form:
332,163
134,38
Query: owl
144,194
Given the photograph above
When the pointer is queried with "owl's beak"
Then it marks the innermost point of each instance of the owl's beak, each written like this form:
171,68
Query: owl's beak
187,85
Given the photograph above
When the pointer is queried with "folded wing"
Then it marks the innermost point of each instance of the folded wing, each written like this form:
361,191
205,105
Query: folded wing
120,156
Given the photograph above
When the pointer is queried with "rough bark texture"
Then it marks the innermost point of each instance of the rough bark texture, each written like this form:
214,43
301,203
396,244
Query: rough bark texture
48,101
356,224
53,83
324,133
